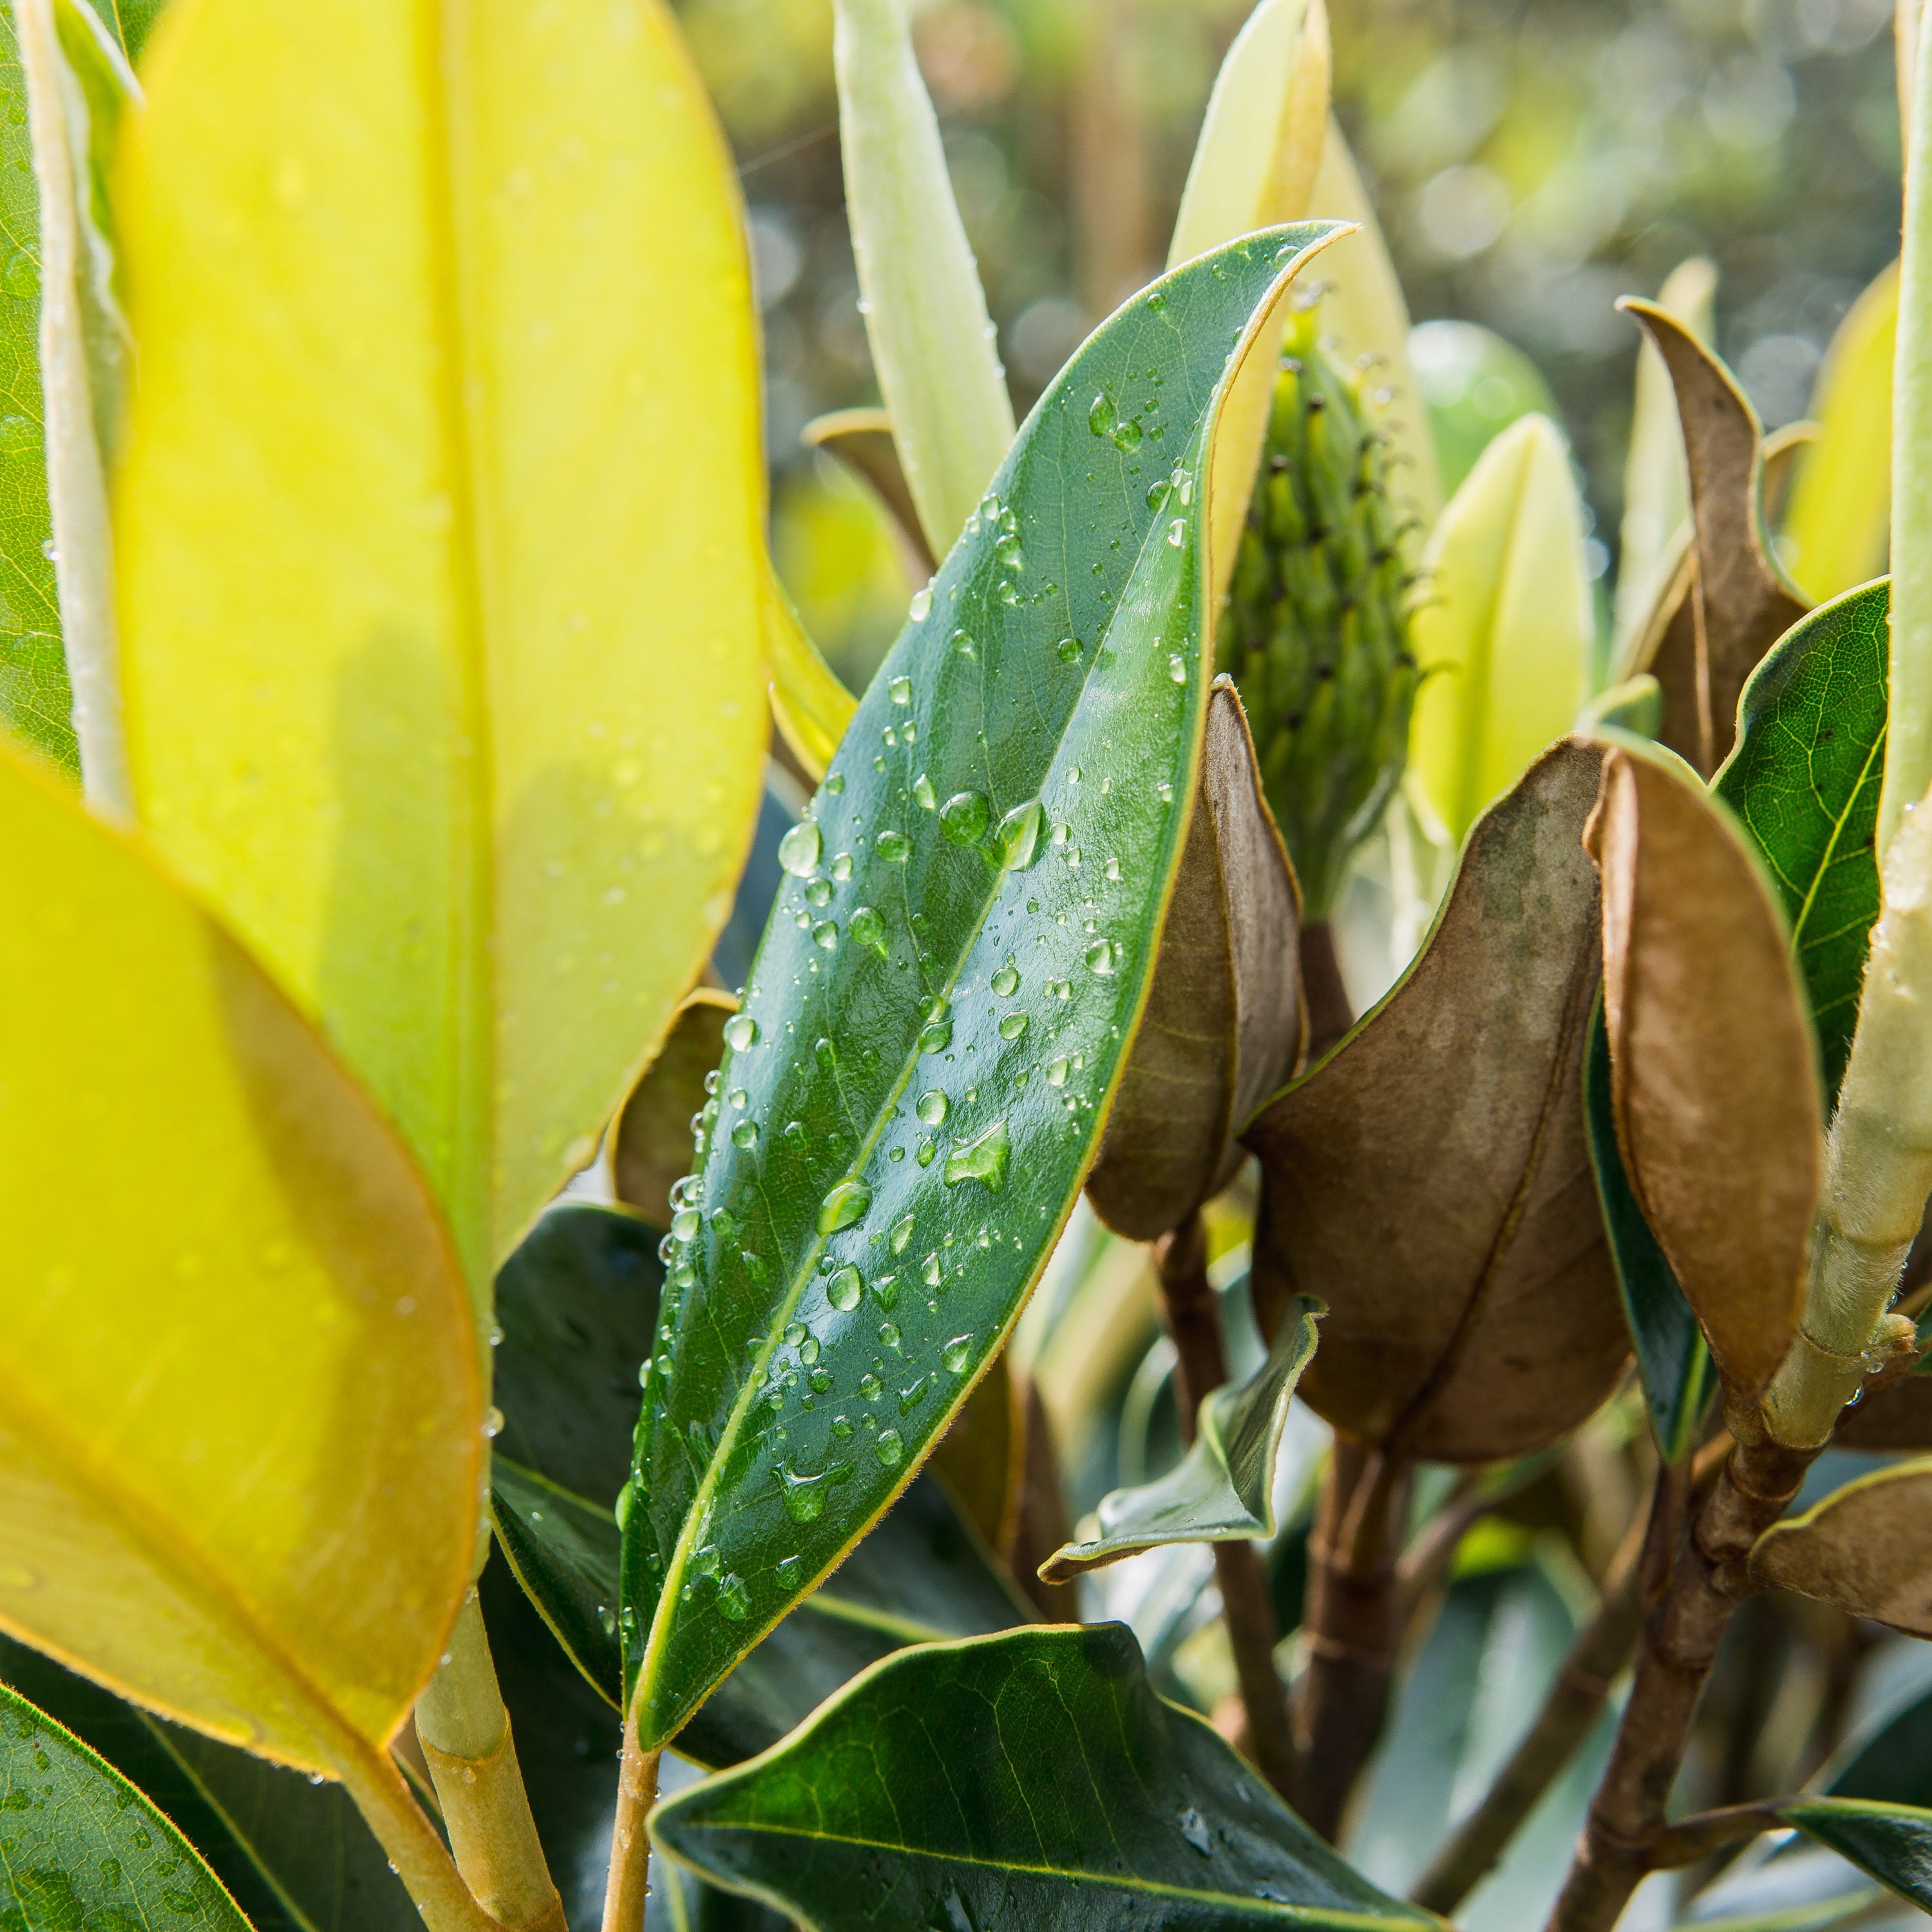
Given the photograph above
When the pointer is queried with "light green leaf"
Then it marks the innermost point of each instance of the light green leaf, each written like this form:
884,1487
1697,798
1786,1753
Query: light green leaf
83,1845
1223,1488
944,998
1476,384
1503,638
1034,1778
932,343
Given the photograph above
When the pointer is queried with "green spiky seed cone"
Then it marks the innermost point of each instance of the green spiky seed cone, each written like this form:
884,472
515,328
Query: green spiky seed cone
1315,634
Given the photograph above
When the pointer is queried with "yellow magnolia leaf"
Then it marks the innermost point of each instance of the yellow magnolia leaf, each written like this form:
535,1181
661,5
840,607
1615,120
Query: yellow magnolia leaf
1836,531
241,1415
1504,636
809,704
439,539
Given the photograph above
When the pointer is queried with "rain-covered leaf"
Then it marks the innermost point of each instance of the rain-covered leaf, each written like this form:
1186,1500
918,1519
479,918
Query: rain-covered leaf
1804,781
492,682
295,1856
260,1327
1223,1488
1867,1548
1225,1019
1503,638
83,1846
650,1145
1835,531
1742,606
1430,1179
1034,1778
944,999
1892,1842
1714,1075
862,441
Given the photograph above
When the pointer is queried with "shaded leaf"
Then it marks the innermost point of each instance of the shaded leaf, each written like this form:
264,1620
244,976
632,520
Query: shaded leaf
1892,1842
1224,1021
862,440
1867,1548
83,1844
1473,1310
929,1050
1891,1759
981,1459
303,1352
650,1146
1713,1079
1672,1355
1740,605
505,648
1804,781
1894,1415
1504,638
295,1856
1223,1488
1034,1777
1835,530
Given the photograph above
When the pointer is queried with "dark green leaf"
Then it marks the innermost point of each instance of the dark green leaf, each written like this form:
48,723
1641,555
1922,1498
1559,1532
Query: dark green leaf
1017,1782
943,1000
80,1846
1671,1355
296,1857
1892,1842
1891,1759
1804,781
1223,1488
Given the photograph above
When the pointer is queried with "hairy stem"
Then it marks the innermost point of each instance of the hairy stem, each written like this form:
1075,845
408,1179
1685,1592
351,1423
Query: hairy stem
465,1734
1329,1015
1188,1306
630,1841
1681,1638
1350,1629
428,1874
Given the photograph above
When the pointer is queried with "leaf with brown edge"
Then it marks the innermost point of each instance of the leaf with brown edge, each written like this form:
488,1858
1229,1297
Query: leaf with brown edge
1739,605
1226,1022
1714,1066
650,1146
1867,1548
1430,1181
862,440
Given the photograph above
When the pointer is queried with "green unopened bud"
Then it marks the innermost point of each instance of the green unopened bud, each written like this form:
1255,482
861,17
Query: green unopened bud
1316,632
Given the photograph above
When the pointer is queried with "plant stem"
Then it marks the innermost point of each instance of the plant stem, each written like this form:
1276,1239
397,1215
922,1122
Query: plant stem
630,1841
1190,1308
1681,1639
1350,1629
465,1733
1692,1839
1329,1015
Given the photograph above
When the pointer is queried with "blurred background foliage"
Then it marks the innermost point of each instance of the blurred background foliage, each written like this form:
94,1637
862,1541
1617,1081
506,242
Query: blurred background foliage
1532,160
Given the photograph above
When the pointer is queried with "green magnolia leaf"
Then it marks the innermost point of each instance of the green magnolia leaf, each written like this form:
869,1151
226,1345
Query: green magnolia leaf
1223,1488
295,1857
1804,782
1033,1779
80,1846
1892,1842
1890,1759
941,1007
1671,1355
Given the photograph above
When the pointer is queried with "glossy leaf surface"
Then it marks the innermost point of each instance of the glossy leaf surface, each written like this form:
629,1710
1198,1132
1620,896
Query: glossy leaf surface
1672,1355
929,1048
83,1845
650,1147
1225,1020
1804,782
1867,1548
1454,1111
295,1856
1503,638
303,1355
1892,1842
490,680
1713,1079
1024,1781
1223,1488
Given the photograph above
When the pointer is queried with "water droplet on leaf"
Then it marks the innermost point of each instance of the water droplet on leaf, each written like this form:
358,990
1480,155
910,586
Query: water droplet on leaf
845,1204
741,1031
798,850
845,1288
982,1159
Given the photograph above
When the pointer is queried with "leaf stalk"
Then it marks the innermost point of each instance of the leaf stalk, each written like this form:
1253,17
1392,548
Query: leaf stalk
629,1883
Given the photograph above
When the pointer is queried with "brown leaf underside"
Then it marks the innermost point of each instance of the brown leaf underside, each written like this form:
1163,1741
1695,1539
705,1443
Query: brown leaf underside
1867,1549
651,1147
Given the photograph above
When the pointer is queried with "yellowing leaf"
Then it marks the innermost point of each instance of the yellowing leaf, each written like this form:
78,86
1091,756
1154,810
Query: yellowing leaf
810,705
240,1421
1504,636
439,544
1835,532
